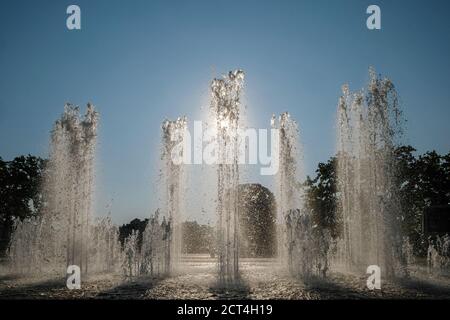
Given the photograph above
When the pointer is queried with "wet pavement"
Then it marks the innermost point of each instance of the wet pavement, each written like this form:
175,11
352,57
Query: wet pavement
260,279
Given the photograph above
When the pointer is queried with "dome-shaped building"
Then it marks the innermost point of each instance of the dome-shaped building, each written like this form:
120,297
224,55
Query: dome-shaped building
257,213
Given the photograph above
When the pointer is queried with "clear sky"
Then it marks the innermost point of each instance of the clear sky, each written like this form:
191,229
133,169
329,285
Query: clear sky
142,61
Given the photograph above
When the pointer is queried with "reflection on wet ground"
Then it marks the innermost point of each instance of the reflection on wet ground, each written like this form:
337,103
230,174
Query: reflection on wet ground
261,279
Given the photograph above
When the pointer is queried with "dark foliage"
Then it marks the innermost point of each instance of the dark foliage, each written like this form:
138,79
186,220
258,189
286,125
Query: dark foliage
197,238
20,197
257,221
423,181
125,230
321,197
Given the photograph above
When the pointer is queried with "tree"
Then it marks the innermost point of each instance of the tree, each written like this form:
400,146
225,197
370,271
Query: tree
257,214
136,225
20,196
197,238
321,197
422,181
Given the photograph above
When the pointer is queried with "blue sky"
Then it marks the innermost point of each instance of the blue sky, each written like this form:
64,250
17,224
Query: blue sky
142,61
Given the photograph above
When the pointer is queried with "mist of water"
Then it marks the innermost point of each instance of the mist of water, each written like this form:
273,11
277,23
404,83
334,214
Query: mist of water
369,125
174,184
368,128
302,249
438,255
225,108
65,233
287,179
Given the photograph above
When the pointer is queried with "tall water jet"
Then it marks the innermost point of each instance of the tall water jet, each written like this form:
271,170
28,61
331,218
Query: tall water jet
105,252
369,122
225,105
287,183
174,151
60,237
300,244
147,253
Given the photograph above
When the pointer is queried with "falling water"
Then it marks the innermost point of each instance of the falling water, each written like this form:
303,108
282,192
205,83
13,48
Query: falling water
148,253
157,251
104,246
225,107
173,153
303,248
63,235
287,182
368,126
438,255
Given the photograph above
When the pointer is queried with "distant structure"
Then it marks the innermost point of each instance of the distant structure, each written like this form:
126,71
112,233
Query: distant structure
257,221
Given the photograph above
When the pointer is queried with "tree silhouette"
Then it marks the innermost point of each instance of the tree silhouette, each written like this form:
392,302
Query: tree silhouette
20,196
257,215
423,181
321,197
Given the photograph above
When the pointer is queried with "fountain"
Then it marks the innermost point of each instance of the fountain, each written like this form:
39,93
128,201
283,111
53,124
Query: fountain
157,251
225,106
63,235
438,255
302,247
368,126
173,153
148,253
368,206
287,182
104,246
